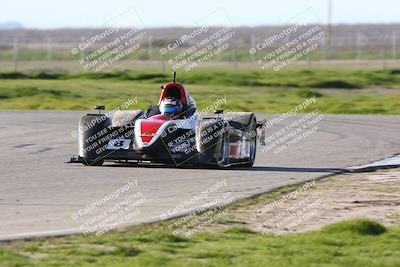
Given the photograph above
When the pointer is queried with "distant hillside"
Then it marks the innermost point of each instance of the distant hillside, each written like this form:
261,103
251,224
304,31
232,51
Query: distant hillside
10,25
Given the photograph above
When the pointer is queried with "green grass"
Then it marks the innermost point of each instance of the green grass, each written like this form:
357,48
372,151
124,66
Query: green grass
84,94
352,243
245,91
349,79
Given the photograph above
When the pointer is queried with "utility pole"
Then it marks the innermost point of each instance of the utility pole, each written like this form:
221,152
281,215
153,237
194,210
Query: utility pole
394,45
162,63
150,51
49,50
82,52
358,55
329,21
308,61
323,47
252,45
15,55
383,57
234,59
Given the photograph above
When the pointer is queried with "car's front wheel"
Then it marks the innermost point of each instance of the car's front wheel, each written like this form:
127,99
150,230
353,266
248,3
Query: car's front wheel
253,144
92,146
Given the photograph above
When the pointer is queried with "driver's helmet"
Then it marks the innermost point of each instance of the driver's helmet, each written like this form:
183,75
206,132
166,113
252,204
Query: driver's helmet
171,106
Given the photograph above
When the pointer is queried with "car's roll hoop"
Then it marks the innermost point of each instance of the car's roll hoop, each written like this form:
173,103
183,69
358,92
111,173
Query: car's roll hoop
174,77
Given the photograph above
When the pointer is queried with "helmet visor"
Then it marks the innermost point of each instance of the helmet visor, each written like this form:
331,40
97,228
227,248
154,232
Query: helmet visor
169,110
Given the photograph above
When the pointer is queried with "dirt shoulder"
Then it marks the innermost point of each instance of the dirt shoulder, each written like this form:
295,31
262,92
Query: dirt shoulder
369,195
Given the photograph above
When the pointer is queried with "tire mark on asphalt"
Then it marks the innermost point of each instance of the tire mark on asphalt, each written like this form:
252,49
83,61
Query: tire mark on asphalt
42,150
24,145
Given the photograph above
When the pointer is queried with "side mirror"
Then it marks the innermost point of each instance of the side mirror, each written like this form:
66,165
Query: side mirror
99,108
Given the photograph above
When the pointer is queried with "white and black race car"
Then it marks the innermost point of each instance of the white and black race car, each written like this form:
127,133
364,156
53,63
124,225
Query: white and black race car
172,132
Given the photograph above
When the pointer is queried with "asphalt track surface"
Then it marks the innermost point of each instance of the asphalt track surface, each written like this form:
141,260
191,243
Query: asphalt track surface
42,195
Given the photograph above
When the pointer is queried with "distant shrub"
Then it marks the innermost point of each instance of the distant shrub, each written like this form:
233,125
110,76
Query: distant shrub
303,92
335,84
13,75
127,251
395,71
361,227
47,76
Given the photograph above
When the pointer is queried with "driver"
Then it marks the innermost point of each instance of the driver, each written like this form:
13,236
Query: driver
171,107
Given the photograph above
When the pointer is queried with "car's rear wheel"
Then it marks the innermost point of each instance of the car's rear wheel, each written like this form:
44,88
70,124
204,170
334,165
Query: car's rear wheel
222,156
212,143
253,144
246,121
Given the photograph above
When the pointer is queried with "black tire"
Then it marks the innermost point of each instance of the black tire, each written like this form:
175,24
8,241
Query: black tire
91,146
253,143
211,137
246,121
223,152
94,130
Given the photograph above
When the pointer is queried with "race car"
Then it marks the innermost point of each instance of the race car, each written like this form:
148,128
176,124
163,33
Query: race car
172,132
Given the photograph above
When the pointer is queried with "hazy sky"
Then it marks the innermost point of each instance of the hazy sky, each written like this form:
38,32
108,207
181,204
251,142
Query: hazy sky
94,13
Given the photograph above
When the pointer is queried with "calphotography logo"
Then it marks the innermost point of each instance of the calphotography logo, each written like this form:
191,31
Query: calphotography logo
291,210
283,132
105,48
290,43
193,48
200,217
113,210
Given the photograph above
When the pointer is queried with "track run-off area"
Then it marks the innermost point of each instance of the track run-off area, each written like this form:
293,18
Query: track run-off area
40,194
